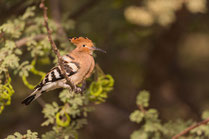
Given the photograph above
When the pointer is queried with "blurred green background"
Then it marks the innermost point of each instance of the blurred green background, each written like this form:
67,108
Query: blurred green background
158,45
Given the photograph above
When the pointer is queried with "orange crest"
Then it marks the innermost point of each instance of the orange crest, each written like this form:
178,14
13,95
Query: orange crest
78,40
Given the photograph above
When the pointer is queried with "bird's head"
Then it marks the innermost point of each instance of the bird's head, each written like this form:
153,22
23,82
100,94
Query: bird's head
84,45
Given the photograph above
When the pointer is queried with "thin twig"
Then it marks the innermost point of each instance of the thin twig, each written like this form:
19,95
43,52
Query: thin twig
7,76
185,131
53,45
142,108
41,102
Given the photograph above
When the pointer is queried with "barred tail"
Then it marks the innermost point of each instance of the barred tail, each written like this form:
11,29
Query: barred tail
31,98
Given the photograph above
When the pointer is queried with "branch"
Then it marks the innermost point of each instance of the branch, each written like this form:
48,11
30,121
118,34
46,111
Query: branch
185,131
53,45
41,102
23,41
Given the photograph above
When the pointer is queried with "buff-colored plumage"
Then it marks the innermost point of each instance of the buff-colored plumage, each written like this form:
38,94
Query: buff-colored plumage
79,65
83,56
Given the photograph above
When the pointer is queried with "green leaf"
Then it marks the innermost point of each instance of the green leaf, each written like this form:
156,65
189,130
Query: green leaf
136,116
23,69
18,52
11,137
50,111
28,135
10,44
151,126
152,114
65,95
49,135
79,123
205,114
143,98
139,135
31,135
173,127
28,13
7,28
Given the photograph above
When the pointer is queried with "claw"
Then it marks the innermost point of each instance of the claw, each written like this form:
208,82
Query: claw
78,90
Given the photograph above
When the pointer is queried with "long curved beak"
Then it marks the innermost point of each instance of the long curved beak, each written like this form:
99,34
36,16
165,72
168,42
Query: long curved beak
98,49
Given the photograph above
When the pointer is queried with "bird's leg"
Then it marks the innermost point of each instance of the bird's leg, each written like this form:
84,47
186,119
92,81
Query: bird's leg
65,85
76,88
81,89
83,86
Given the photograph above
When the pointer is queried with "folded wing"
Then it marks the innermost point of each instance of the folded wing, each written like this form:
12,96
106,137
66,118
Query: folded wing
55,74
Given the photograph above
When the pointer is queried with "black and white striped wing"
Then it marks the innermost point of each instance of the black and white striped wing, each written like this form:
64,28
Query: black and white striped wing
56,75
51,80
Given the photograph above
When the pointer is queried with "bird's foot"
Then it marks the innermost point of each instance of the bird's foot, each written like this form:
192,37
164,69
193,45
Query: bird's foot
80,89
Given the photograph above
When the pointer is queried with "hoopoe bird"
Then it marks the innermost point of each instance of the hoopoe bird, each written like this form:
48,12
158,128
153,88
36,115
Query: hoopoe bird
78,65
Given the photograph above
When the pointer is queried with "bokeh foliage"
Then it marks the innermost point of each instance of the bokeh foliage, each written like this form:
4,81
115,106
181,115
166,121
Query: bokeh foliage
162,11
160,45
67,118
152,127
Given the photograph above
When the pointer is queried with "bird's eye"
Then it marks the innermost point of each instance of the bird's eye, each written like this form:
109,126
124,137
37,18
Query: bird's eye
84,45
